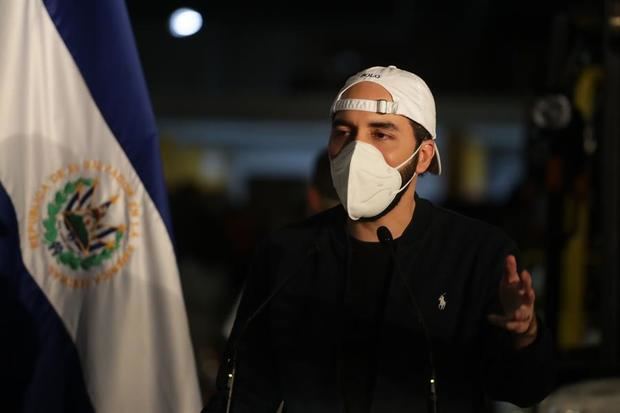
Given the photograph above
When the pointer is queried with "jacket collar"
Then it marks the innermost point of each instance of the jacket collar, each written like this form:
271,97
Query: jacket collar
415,233
418,227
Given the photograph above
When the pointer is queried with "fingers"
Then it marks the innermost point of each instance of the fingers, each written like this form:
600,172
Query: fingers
511,275
503,322
526,279
510,324
523,313
527,290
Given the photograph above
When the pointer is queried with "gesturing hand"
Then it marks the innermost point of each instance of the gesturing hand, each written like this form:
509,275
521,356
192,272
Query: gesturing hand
517,297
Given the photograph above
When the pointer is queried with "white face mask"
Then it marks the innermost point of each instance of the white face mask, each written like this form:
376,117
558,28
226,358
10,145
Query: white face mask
364,182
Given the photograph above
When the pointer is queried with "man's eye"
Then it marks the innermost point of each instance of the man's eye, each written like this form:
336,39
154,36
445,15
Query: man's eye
341,133
380,135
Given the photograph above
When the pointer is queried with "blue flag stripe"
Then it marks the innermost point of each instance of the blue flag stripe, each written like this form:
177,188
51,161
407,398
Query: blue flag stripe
98,35
42,370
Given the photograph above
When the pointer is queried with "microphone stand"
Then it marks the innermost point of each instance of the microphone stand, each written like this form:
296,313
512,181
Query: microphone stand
385,237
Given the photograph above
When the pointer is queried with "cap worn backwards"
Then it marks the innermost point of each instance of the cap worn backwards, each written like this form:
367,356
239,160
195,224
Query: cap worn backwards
411,97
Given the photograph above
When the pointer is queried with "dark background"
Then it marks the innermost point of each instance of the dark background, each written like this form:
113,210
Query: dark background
288,49
274,67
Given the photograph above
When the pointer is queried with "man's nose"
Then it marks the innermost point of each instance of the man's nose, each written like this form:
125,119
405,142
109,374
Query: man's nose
362,135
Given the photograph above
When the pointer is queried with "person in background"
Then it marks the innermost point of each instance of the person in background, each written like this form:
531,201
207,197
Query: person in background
321,194
385,303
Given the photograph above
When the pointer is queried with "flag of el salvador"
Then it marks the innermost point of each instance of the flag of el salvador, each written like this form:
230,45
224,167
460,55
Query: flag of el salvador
92,317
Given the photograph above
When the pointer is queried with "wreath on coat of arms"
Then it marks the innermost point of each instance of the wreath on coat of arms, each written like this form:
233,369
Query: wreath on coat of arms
75,227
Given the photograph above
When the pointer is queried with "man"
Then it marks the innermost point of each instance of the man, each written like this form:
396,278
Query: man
344,319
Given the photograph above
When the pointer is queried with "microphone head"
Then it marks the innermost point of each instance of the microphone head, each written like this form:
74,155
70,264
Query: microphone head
384,234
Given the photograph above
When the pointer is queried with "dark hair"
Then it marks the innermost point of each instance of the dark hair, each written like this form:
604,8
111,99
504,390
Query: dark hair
420,134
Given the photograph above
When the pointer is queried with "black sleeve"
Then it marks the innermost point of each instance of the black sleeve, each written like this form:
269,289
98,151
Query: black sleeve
256,388
523,377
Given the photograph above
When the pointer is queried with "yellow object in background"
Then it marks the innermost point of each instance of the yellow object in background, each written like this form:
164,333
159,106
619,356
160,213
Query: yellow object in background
586,91
572,320
203,167
473,171
180,164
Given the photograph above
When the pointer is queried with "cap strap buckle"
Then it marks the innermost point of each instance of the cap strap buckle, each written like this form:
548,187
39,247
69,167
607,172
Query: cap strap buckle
380,106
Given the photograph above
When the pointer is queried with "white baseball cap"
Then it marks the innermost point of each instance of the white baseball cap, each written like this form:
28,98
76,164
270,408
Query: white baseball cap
411,97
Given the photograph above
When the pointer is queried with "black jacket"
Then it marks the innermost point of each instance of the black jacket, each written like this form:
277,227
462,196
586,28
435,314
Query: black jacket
290,351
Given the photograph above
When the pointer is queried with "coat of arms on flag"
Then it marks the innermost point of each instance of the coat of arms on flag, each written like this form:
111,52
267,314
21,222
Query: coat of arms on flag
75,216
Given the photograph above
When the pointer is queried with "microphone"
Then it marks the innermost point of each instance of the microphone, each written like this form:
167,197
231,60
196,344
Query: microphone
385,237
232,360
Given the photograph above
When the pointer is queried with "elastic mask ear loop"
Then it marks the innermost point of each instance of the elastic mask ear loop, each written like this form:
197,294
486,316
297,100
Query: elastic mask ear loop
412,176
409,158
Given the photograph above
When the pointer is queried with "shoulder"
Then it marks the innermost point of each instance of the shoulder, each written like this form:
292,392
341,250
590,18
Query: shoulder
475,249
303,234
454,229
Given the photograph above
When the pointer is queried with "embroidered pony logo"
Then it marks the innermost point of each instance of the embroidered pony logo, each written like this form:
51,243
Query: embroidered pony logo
442,301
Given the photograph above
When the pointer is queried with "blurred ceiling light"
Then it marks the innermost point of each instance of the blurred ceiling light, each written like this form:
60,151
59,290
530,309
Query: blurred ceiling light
184,22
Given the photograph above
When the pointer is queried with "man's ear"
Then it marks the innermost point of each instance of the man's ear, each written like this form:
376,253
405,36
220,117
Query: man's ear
425,156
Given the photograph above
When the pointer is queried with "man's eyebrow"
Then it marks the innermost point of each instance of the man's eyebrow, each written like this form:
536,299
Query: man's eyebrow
341,122
376,125
384,125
